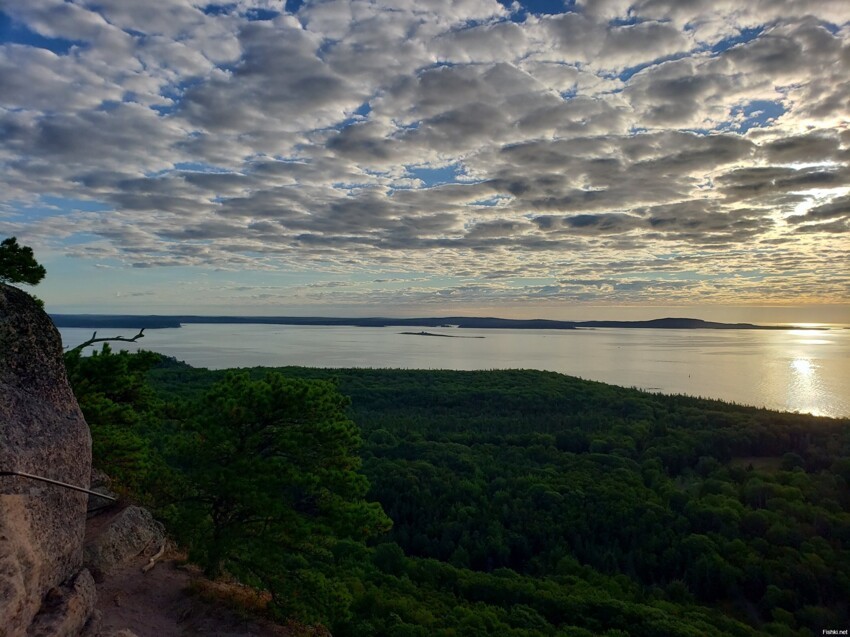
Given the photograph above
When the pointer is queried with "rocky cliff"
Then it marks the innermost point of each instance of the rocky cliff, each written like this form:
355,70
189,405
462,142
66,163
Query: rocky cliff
43,588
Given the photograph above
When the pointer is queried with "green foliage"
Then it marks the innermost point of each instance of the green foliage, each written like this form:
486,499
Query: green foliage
599,508
18,264
123,415
524,504
272,469
258,478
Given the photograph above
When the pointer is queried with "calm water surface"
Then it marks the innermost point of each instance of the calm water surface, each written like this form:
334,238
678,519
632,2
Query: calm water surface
789,370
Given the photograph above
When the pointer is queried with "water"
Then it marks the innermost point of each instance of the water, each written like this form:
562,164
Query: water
788,370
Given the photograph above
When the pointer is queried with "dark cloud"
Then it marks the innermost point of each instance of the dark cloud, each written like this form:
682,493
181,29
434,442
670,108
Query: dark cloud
839,226
753,183
365,143
837,208
813,147
497,228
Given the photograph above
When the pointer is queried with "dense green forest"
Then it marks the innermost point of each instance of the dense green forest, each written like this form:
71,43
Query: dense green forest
522,503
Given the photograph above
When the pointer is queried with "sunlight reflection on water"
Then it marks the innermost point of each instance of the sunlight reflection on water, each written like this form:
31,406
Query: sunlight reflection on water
788,370
805,387
802,366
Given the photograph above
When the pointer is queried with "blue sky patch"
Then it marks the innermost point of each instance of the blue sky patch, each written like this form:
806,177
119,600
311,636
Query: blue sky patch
252,15
624,22
746,35
14,32
65,203
164,109
756,114
218,9
108,105
538,7
198,167
435,176
51,206
175,93
258,15
292,6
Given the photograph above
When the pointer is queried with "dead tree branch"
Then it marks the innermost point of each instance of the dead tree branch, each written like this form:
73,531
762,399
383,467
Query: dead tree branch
94,340
152,562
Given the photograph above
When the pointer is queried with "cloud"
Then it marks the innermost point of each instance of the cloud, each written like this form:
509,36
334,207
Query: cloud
578,148
583,38
837,208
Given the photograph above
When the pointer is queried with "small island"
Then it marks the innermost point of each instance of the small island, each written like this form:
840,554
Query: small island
424,333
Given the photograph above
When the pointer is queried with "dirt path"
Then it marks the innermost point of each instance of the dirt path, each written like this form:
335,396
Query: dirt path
159,603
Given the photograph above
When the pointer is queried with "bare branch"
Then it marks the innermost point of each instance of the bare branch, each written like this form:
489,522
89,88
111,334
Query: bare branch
152,562
94,340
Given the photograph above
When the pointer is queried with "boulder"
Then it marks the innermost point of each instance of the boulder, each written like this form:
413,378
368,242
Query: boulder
42,432
67,610
126,535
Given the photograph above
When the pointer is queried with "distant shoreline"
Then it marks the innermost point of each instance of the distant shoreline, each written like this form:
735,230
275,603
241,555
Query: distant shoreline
128,321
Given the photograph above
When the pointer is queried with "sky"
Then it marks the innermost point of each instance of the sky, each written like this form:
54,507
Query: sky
564,159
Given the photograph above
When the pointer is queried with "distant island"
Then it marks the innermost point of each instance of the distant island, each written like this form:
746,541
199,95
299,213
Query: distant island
98,321
423,333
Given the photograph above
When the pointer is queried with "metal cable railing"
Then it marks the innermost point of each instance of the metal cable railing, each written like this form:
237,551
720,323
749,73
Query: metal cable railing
57,483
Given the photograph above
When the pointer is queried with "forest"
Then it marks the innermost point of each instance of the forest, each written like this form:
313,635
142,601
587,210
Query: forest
518,503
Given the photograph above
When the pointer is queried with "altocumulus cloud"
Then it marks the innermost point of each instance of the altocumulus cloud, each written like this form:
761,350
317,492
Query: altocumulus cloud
618,151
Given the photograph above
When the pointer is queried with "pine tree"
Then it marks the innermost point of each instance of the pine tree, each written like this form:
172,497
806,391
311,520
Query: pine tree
18,264
272,468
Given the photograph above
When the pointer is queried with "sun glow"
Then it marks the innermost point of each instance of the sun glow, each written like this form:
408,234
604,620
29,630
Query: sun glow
816,197
802,366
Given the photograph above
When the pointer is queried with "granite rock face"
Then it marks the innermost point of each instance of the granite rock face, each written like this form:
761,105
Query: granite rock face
42,432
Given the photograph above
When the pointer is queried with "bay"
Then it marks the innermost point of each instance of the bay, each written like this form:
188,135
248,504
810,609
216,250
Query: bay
788,370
